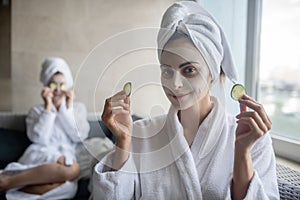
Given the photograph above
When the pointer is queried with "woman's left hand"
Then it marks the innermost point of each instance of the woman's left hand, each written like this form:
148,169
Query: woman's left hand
69,97
251,124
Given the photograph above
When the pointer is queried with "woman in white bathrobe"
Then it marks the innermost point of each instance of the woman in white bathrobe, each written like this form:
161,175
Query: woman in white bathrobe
48,168
196,151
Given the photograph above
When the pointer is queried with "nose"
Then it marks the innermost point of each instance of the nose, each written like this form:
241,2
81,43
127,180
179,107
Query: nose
177,81
58,88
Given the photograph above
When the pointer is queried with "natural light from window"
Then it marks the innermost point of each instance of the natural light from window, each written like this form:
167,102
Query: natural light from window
279,82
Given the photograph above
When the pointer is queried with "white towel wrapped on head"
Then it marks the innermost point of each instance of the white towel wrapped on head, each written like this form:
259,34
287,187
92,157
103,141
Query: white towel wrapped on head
53,65
190,19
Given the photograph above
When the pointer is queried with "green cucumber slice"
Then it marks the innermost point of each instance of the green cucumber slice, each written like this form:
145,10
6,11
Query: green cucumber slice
63,87
127,88
237,91
53,86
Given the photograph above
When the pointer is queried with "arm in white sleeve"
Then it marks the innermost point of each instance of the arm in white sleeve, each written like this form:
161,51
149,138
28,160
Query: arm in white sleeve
39,123
119,184
263,184
74,122
264,181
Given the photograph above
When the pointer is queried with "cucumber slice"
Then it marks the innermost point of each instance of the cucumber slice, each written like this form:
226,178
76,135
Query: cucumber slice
53,86
63,87
237,91
127,88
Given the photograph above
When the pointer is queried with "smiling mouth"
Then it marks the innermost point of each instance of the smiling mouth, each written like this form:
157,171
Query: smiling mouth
178,96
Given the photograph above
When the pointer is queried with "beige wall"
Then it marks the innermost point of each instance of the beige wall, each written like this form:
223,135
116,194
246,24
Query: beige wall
71,29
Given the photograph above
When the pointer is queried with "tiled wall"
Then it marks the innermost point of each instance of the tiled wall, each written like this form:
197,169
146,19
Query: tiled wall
72,29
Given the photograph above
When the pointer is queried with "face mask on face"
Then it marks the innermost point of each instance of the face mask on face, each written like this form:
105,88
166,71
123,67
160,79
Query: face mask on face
185,75
58,86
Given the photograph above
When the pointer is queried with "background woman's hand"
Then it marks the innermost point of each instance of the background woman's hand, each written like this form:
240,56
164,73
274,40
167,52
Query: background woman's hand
116,116
252,124
69,97
47,95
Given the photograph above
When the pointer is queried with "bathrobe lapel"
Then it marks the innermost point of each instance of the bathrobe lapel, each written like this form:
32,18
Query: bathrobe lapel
188,160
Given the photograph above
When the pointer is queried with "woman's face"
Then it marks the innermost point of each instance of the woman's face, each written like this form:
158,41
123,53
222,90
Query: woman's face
184,74
58,86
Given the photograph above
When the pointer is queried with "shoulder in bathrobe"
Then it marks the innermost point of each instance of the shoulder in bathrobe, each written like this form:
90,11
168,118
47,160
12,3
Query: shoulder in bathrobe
201,172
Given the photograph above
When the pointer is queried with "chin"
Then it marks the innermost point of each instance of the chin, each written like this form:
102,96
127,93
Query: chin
182,105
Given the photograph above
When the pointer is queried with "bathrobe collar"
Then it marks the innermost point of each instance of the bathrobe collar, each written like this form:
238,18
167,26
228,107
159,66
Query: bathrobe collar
207,135
186,158
62,108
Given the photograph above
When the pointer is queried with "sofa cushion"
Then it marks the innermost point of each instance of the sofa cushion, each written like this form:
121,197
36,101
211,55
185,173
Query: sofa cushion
12,145
12,121
96,130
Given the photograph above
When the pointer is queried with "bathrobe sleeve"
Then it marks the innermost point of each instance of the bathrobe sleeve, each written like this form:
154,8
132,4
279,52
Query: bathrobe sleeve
39,124
115,184
74,122
264,182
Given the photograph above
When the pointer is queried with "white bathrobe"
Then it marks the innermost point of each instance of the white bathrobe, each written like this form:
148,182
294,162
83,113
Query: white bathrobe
53,134
162,166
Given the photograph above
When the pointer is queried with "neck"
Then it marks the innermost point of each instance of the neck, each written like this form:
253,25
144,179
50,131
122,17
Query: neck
192,117
196,113
57,103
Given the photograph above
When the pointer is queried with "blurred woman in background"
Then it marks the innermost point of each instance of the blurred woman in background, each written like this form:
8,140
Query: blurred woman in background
48,168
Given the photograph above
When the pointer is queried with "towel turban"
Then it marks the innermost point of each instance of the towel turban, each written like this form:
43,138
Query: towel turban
53,65
190,19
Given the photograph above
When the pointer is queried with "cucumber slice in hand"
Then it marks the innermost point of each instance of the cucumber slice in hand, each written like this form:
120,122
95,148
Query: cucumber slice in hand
237,91
53,86
63,87
127,88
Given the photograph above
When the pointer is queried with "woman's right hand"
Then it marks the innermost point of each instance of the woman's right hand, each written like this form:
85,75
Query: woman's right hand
47,96
116,116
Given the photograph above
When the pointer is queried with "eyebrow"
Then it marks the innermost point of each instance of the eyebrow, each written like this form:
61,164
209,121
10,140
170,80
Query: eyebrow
187,63
182,65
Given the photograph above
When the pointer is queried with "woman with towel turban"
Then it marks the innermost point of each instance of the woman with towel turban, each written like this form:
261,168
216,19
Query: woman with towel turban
48,168
196,151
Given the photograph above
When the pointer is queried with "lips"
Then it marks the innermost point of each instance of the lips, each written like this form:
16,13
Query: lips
57,93
178,96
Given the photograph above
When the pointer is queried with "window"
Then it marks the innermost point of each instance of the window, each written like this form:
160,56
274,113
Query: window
270,29
279,71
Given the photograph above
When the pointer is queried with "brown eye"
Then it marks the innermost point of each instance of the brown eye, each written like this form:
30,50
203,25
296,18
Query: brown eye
189,71
167,72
